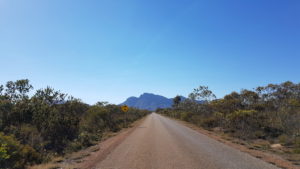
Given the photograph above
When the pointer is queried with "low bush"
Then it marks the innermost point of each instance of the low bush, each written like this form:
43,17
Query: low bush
51,123
15,155
270,112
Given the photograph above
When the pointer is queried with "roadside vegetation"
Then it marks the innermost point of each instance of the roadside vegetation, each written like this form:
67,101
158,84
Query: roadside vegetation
34,129
265,116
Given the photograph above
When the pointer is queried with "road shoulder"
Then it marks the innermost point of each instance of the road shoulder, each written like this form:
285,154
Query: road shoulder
235,143
91,156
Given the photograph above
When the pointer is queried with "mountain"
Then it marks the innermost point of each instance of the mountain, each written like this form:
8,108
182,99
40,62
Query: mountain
149,101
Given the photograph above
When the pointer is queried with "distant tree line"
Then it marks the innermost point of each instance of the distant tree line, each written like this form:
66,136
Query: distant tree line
35,128
270,112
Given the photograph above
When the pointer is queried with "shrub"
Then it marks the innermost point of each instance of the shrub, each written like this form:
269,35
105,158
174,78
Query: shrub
186,116
297,151
50,123
3,153
15,155
210,122
30,135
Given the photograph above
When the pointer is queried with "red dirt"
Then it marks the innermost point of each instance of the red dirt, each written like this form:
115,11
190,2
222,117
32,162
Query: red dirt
106,147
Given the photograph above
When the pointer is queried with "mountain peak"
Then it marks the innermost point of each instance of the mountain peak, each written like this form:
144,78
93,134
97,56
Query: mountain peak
146,94
149,101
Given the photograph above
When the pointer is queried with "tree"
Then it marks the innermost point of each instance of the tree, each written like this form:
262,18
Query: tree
18,90
1,90
176,101
49,96
202,93
14,103
249,98
101,103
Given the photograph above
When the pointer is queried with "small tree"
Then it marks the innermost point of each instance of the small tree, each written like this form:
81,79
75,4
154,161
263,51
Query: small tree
1,89
17,90
202,93
101,103
176,101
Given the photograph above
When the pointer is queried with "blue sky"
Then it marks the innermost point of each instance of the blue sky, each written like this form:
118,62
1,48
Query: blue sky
108,50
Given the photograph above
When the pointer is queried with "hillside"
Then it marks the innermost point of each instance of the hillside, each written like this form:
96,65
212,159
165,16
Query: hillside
149,101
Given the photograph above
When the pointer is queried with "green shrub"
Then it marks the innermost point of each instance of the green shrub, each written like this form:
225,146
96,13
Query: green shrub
259,134
50,123
15,155
94,121
31,136
3,152
210,122
296,151
284,139
186,116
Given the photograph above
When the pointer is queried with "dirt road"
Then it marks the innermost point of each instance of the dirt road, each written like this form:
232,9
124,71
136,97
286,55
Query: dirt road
162,143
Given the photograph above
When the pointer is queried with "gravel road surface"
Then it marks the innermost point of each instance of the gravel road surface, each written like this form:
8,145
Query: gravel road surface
162,143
